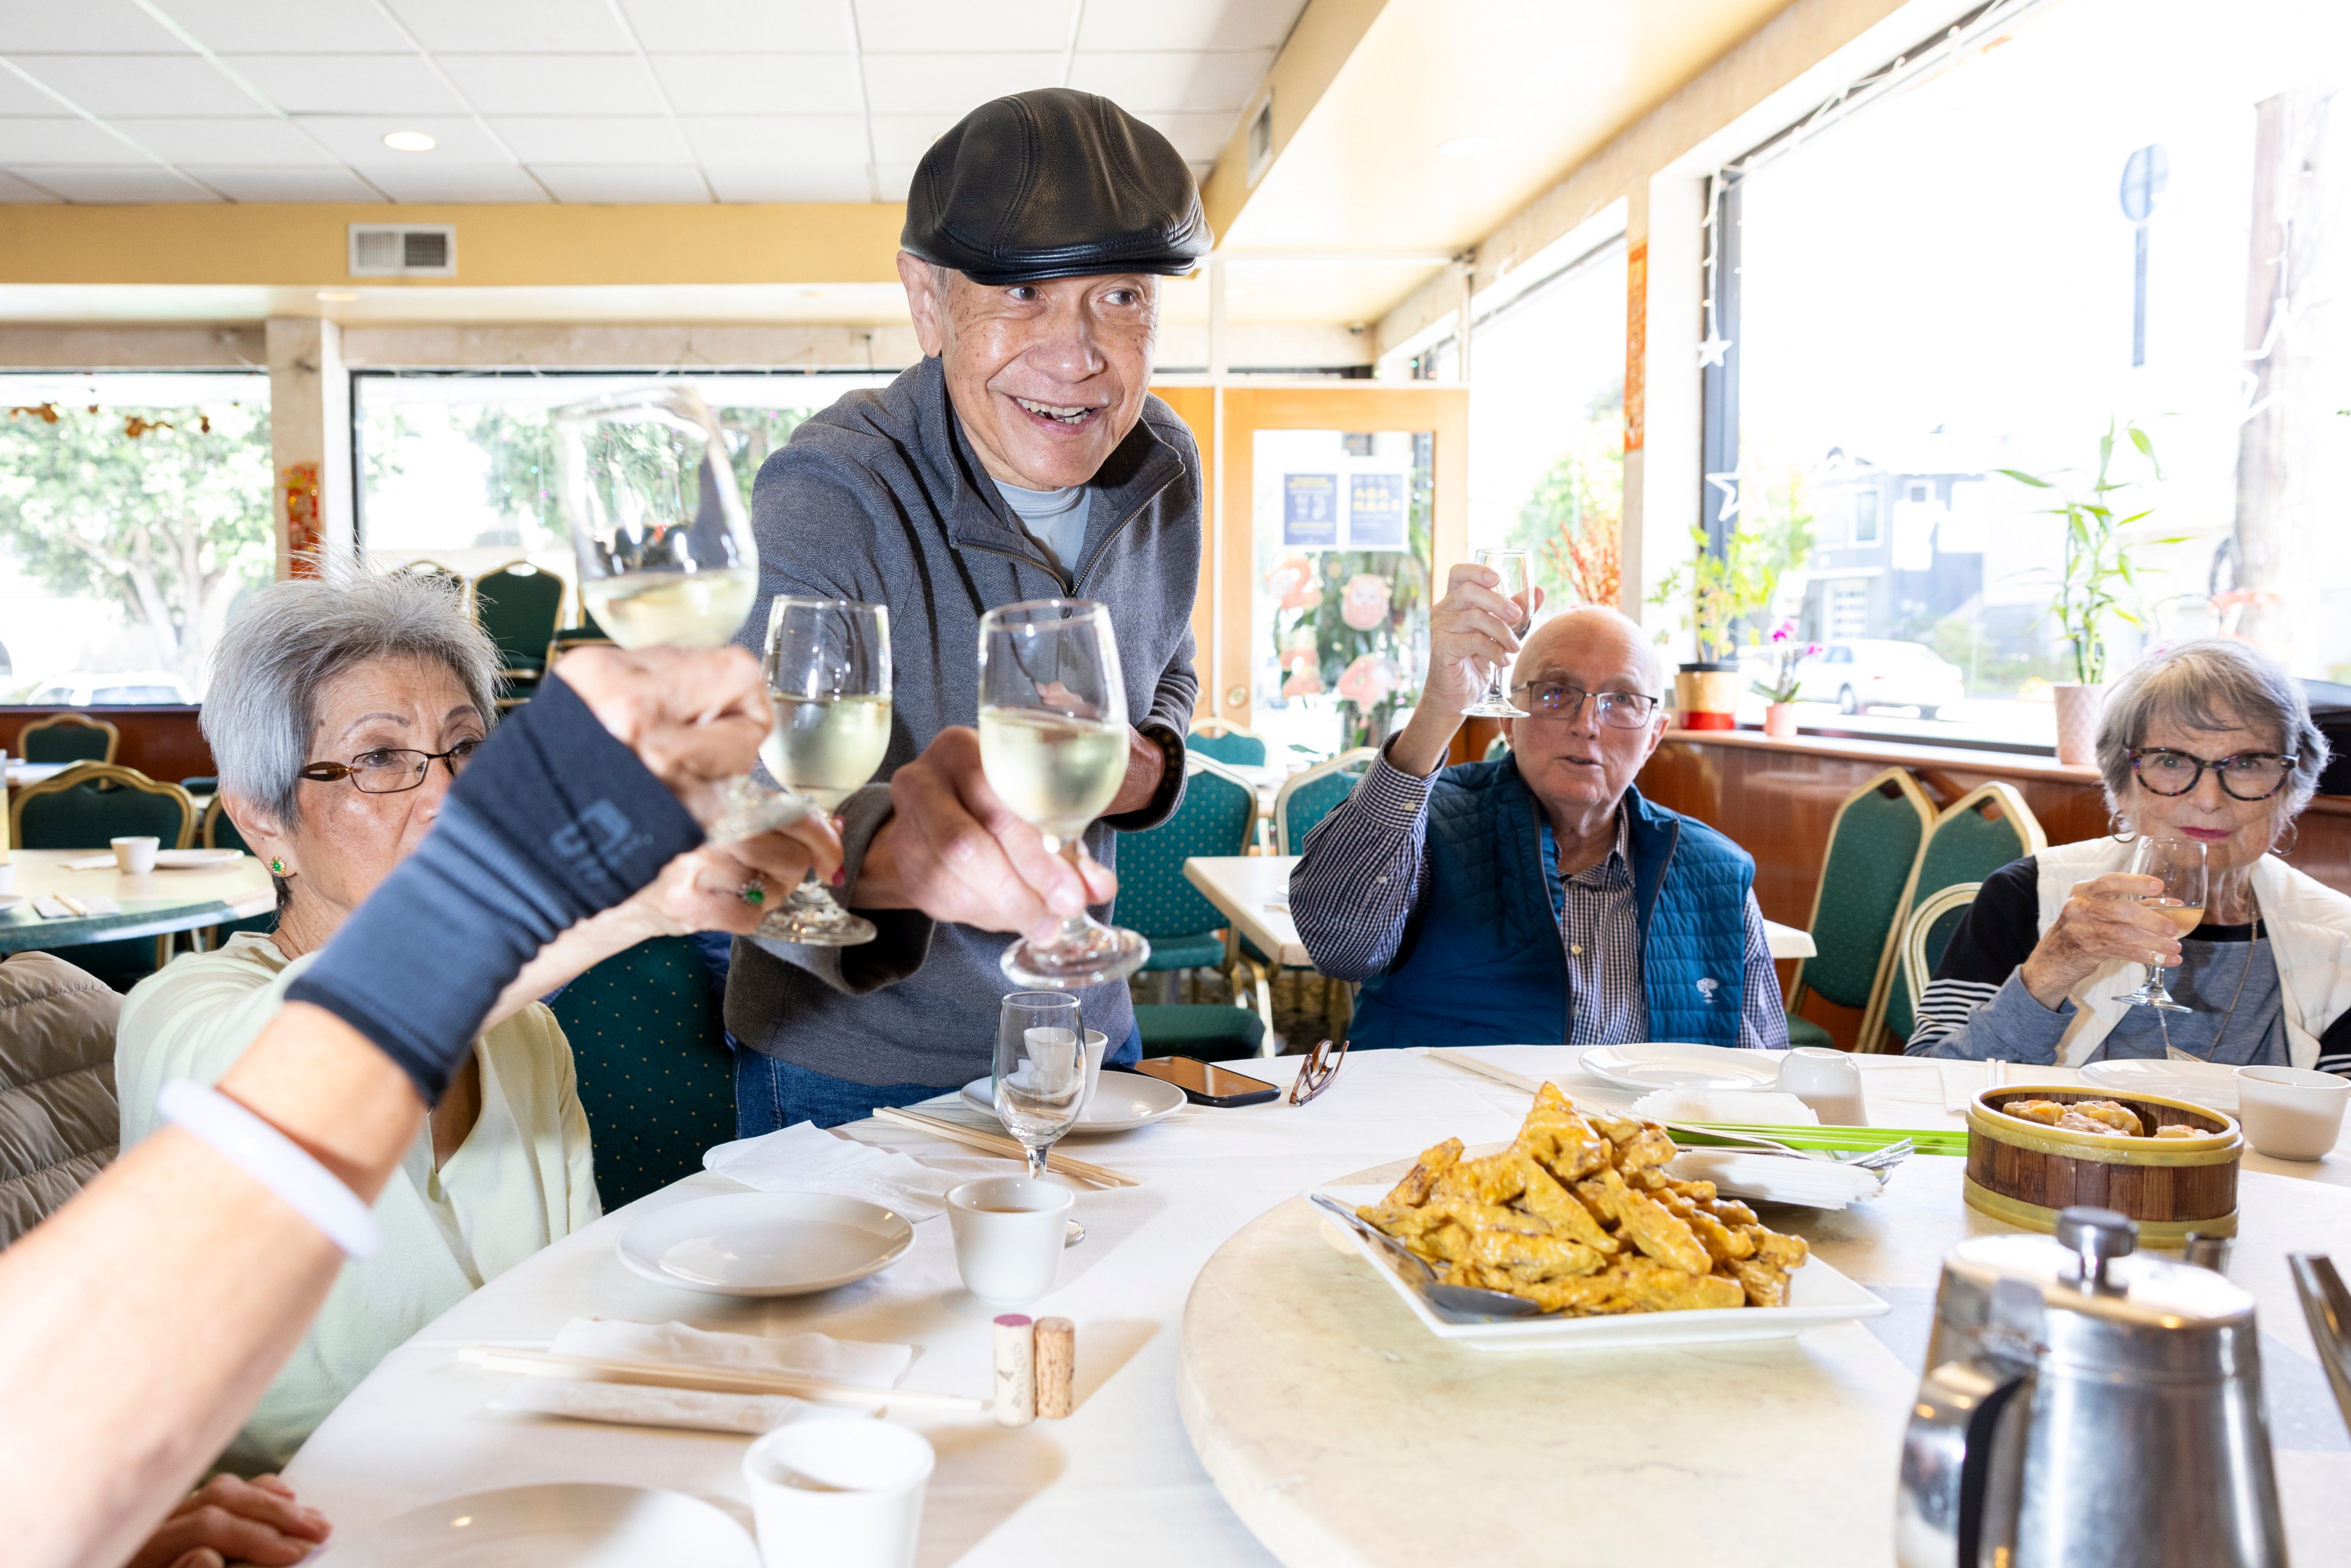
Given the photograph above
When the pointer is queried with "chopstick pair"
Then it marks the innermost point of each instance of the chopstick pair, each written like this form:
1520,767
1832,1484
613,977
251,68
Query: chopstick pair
702,1380
997,1144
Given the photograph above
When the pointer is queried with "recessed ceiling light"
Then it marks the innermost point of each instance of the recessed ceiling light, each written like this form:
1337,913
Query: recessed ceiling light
409,142
337,295
1467,147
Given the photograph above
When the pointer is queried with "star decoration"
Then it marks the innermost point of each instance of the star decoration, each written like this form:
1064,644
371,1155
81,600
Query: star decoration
1710,353
1729,485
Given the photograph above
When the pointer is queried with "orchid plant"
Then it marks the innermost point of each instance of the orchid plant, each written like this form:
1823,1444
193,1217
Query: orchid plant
1787,653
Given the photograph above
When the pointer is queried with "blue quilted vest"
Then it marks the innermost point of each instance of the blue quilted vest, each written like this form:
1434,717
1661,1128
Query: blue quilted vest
1481,963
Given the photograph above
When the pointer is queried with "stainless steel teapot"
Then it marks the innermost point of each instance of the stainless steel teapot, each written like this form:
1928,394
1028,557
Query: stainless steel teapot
2083,1407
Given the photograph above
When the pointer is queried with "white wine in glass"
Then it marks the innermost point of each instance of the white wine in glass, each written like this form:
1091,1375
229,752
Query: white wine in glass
1053,742
648,610
828,676
2181,866
1516,568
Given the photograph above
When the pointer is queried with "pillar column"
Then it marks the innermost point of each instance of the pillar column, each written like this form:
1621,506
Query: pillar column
310,444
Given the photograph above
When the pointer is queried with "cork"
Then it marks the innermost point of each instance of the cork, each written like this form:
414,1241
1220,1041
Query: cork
1056,1360
1015,1386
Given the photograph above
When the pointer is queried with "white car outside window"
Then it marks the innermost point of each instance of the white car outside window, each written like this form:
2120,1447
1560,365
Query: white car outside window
1864,673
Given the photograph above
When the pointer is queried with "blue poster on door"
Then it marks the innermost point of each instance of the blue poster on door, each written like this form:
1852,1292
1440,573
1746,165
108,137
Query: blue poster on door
1310,510
1375,511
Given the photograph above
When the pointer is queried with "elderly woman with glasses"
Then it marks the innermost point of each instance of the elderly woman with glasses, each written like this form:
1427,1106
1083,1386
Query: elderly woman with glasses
337,715
2212,743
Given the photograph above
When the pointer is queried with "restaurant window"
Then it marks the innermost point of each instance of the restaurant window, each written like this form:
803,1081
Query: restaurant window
134,518
2058,221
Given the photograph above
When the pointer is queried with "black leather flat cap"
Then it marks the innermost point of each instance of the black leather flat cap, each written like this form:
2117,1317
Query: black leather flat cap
1054,184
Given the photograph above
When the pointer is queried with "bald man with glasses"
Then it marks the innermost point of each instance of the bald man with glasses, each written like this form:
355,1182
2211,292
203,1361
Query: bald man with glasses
1537,899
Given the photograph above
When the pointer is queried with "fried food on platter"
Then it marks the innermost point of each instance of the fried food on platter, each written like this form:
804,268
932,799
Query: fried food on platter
1579,1217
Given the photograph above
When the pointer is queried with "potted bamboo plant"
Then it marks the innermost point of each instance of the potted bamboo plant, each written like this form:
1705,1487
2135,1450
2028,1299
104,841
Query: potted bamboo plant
1715,593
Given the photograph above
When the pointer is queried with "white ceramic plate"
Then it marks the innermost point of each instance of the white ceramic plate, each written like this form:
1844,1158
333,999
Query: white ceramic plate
572,1526
1122,1103
1641,1068
2198,1082
1817,1295
192,860
11,900
765,1243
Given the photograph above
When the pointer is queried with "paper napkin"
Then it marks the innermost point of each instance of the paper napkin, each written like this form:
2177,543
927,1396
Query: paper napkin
807,1158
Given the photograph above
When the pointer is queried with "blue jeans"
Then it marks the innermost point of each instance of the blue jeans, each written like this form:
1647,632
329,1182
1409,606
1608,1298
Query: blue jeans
771,1095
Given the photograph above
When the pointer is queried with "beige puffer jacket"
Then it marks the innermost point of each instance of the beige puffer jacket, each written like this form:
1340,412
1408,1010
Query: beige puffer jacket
58,1122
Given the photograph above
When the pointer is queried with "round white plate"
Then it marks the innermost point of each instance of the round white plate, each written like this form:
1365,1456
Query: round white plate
192,860
2198,1082
1122,1103
765,1243
1641,1068
11,900
570,1526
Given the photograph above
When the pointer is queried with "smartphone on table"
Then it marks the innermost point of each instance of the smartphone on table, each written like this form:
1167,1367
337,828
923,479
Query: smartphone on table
1205,1083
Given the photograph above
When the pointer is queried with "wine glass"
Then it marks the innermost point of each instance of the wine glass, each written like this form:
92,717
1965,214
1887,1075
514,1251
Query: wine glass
2181,866
1052,739
828,676
1516,568
1041,1070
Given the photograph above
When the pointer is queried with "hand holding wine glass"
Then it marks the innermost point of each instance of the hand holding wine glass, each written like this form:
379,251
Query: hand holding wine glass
2180,865
827,677
1516,568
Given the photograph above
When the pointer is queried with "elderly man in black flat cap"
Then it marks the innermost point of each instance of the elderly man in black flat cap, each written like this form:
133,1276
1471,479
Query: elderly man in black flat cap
1023,458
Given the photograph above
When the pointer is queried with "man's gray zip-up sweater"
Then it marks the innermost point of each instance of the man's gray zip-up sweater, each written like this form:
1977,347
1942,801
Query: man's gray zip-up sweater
881,499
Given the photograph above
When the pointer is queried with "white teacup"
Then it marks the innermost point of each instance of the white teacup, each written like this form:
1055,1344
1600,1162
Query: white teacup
840,1492
7,876
1008,1234
1097,1047
135,856
1828,1082
2290,1112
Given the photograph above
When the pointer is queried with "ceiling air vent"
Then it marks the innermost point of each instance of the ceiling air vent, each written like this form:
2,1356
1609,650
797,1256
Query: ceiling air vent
403,250
1260,140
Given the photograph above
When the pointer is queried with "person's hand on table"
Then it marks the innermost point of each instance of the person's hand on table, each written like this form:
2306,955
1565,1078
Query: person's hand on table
231,1520
2102,920
956,851
1471,631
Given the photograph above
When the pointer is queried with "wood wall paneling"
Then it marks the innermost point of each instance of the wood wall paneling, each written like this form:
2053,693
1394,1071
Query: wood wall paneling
162,742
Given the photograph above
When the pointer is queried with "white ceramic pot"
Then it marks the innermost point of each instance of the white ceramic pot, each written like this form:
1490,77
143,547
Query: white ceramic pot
2078,707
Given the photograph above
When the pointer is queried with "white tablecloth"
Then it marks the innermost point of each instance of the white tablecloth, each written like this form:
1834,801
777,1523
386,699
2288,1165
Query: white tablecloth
1116,1483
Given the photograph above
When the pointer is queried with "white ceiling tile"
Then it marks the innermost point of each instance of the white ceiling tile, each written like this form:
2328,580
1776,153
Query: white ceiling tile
261,142
347,84
788,182
553,84
143,183
608,182
895,25
1189,25
1198,138
12,189
1142,83
905,138
891,180
761,84
633,140
337,26
691,27
325,184
524,26
455,182
953,84
138,84
85,27
63,141
359,139
740,140
18,95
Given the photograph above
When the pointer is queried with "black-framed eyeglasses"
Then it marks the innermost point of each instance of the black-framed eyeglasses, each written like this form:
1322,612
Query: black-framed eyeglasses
2247,776
1322,1066
1617,710
388,770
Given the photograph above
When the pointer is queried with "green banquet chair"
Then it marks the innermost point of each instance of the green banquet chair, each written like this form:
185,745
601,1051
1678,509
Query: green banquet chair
219,832
69,738
1218,811
84,808
1924,937
1874,842
520,607
1973,837
1227,742
1305,799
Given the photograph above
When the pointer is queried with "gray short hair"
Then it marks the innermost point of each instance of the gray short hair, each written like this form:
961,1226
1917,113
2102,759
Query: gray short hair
2204,685
293,637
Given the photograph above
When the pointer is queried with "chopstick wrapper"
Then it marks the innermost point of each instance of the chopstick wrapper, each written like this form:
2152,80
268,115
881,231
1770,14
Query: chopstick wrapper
807,1158
636,1405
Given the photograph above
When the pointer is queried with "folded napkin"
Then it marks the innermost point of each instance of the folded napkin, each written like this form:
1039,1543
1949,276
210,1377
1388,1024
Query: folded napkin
640,1405
92,863
1746,1108
49,906
807,1158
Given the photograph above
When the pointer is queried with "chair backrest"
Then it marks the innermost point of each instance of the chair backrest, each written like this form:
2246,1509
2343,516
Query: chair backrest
1874,841
1305,799
1231,743
649,1045
1218,811
1498,748
519,606
69,738
1972,837
1924,937
57,1086
218,831
92,803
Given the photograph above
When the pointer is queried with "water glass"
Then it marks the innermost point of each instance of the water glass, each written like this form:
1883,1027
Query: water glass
1516,568
1041,1070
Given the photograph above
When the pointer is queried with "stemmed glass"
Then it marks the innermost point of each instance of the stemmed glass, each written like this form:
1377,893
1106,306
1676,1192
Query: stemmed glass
1516,568
1053,740
828,676
1040,1070
2180,865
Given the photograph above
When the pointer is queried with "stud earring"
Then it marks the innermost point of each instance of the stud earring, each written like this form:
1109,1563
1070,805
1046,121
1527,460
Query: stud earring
277,867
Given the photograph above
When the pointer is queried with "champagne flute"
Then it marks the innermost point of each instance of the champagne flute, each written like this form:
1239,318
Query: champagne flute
2180,865
1053,740
1040,1070
828,676
1516,568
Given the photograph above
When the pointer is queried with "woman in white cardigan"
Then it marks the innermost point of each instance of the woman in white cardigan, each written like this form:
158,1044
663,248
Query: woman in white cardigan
2212,741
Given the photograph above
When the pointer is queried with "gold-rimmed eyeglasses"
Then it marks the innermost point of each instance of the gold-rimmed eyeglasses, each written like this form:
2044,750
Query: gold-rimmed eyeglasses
1322,1066
389,769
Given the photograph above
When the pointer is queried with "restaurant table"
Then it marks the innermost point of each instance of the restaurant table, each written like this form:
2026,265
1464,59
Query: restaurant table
1253,892
22,773
1792,1463
152,904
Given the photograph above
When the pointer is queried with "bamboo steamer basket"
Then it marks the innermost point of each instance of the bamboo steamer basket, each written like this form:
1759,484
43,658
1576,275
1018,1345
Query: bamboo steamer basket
2022,1172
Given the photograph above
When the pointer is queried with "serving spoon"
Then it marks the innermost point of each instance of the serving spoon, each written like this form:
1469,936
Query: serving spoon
1461,1304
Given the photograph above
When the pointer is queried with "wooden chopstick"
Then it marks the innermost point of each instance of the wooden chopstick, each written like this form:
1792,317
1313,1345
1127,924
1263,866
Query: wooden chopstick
1467,1063
593,1369
997,1144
